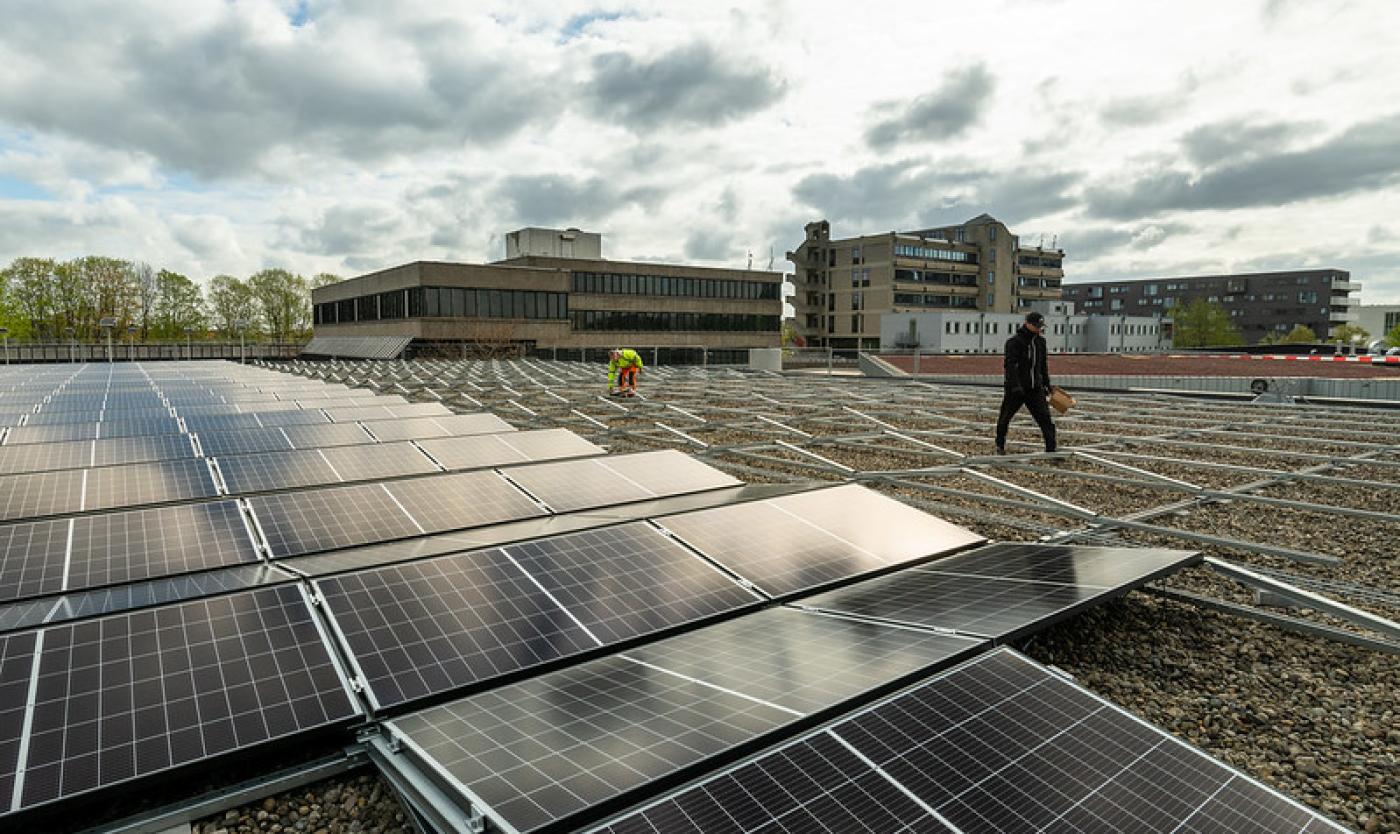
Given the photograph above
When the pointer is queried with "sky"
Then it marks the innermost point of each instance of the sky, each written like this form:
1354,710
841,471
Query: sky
1146,139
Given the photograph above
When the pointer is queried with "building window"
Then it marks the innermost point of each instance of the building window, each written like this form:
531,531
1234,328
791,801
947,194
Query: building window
856,255
855,324
646,321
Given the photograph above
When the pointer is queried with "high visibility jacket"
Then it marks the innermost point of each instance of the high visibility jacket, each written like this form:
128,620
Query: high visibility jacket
627,358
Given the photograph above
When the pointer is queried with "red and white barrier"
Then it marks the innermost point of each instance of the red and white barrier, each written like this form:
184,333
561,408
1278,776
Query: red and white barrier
1364,360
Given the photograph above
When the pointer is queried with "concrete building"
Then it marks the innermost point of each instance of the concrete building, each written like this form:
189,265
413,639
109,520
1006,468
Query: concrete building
569,243
1378,319
1259,304
1066,331
536,300
845,287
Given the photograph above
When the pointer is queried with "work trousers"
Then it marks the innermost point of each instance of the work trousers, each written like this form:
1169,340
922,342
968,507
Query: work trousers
1035,403
627,378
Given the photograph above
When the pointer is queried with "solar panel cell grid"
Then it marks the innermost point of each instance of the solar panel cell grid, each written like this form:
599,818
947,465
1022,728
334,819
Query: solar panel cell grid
51,434
370,462
275,470
129,546
577,485
1101,567
40,494
326,519
147,483
134,694
120,450
31,558
294,418
44,457
16,666
247,441
319,435
430,626
669,472
878,523
468,499
629,580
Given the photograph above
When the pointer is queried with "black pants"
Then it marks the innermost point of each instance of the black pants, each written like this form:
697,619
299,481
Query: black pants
1035,403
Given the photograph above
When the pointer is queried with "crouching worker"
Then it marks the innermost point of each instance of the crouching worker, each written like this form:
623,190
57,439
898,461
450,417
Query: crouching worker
623,366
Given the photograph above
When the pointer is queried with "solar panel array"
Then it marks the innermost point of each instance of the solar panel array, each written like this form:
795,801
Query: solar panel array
613,625
998,744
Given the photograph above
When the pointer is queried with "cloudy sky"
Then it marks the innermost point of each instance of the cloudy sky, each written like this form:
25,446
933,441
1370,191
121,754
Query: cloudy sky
1150,138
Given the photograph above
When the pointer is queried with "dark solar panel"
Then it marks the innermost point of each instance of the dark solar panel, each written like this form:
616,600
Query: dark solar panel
51,434
119,450
430,626
1002,591
137,428
669,472
1001,743
541,750
128,546
54,418
31,558
276,470
371,462
416,428
814,784
598,482
507,448
468,499
134,694
463,424
325,519
628,580
293,418
147,483
878,523
244,442
16,668
222,422
802,661
40,494
349,414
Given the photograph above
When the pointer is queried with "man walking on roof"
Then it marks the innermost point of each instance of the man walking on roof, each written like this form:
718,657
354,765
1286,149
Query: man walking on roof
623,366
1027,381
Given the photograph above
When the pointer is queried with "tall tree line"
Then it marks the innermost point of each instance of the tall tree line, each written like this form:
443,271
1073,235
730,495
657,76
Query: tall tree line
42,299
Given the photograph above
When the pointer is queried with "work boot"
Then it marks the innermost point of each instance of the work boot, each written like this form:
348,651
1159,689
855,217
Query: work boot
1001,450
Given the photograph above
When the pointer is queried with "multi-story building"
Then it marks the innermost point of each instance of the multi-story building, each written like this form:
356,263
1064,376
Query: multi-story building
546,300
1066,331
1259,303
1378,319
844,287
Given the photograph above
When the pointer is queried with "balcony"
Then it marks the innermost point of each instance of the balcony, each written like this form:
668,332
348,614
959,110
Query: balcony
1344,316
1344,300
1345,285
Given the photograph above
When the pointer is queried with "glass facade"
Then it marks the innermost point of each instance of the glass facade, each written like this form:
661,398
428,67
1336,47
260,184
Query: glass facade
620,320
928,253
445,302
611,283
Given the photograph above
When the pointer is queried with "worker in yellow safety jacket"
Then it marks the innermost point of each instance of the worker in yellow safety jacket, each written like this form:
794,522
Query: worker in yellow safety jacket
623,366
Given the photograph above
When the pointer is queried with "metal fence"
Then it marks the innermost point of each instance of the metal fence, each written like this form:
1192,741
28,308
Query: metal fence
145,351
651,354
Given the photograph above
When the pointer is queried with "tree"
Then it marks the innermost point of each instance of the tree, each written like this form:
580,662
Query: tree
1202,324
1300,334
322,279
1392,336
285,301
29,285
231,300
1350,333
177,305
143,279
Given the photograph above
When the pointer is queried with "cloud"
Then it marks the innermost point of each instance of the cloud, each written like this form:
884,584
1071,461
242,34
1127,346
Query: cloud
1229,140
710,245
1365,156
554,199
948,111
1086,243
692,85
352,229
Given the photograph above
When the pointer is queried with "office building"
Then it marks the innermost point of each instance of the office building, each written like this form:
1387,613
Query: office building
1066,331
1378,319
844,287
540,299
1259,304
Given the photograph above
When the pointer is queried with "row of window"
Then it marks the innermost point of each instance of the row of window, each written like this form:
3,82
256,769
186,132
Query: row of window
1032,260
445,302
618,320
610,283
928,253
1042,283
917,300
928,276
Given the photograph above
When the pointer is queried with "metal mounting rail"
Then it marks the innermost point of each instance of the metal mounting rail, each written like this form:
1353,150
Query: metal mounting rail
1283,621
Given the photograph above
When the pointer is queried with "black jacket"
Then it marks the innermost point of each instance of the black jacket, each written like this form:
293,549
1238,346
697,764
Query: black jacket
1026,370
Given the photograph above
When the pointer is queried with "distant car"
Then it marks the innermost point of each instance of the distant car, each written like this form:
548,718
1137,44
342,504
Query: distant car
1395,351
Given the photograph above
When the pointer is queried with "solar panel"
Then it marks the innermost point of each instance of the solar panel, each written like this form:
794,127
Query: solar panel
54,418
417,428
123,547
45,457
577,485
802,661
798,542
16,665
1002,591
538,751
24,435
319,435
134,694
246,441
434,625
147,483
511,447
119,450
326,519
370,462
349,414
629,580
276,470
31,558
137,428
40,494
222,422
468,499
293,418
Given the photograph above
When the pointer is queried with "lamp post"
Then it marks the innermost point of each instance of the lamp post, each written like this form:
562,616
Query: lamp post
189,348
241,325
72,344
131,341
108,323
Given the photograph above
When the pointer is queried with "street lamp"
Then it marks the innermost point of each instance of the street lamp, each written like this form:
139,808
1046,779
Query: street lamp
240,325
107,323
131,340
72,344
189,349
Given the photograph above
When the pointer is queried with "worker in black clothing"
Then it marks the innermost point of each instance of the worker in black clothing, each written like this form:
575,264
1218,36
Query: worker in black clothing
1027,381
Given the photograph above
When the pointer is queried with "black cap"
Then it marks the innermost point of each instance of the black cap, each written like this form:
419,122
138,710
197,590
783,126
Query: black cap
1035,318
